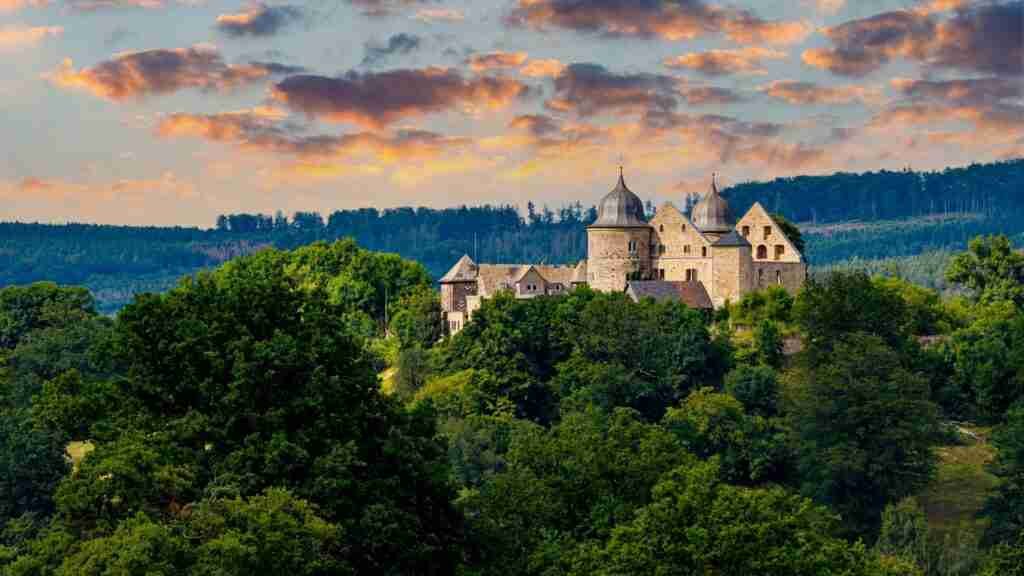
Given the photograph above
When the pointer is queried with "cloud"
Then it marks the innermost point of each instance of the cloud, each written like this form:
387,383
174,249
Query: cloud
589,89
12,5
809,93
13,38
974,91
546,68
399,44
827,6
537,124
383,7
439,15
375,100
667,19
58,190
979,38
496,60
258,20
724,62
133,75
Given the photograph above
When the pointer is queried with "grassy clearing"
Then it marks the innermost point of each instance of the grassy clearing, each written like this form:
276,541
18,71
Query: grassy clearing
961,485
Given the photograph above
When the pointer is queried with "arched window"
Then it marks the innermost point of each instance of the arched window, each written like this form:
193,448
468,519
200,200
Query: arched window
762,252
703,251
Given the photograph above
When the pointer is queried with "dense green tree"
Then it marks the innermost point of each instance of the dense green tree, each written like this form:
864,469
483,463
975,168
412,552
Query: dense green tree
756,387
696,524
25,309
991,269
32,463
987,360
846,302
750,449
1005,559
573,482
863,428
1005,508
417,319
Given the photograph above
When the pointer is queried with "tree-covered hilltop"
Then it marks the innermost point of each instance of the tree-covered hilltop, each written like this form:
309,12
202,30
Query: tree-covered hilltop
868,216
238,424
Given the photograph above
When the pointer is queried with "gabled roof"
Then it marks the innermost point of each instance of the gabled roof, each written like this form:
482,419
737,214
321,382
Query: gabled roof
465,270
758,208
670,209
693,294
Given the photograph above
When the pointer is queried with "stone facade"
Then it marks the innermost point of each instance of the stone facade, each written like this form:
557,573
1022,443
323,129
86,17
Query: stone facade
710,254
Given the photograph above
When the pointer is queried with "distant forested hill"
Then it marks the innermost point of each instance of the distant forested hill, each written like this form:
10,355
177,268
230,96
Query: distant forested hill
869,217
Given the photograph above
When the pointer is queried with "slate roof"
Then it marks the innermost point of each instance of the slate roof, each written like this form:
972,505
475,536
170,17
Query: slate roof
733,238
465,270
712,213
495,277
620,208
693,294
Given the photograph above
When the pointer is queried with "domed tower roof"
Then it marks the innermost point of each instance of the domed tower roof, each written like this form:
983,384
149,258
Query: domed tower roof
712,213
620,208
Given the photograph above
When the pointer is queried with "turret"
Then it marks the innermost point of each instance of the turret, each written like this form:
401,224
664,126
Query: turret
619,241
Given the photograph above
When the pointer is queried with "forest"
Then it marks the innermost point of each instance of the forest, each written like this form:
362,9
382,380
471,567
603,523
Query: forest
847,219
304,412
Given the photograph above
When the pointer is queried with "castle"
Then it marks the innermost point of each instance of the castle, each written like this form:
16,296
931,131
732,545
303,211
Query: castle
704,260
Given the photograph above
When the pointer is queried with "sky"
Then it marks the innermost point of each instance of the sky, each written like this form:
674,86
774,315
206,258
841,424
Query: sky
170,112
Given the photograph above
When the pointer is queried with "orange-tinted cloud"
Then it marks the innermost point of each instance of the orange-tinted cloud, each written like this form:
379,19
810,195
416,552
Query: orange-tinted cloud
12,5
746,60
17,37
809,93
258,20
589,89
439,15
135,75
496,60
667,19
546,68
980,38
53,190
375,100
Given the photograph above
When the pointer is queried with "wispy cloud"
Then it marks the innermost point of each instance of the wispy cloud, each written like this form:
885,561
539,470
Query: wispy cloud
258,20
13,38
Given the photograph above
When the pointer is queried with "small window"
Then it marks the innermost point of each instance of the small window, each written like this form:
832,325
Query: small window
746,231
767,232
778,277
762,252
682,228
661,228
661,249
661,274
779,251
704,252
686,249
691,275
632,246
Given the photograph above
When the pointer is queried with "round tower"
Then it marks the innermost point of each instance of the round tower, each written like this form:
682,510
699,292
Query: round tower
619,241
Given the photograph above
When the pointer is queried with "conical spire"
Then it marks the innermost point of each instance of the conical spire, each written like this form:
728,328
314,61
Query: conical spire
620,208
712,213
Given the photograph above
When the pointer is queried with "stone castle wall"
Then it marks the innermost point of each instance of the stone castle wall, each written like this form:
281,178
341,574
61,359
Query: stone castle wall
610,260
731,274
789,275
453,296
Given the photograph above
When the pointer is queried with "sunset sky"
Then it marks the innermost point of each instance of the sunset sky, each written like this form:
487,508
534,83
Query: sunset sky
173,111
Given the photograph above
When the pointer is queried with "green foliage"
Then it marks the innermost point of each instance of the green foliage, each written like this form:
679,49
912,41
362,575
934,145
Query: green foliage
756,387
696,524
571,483
925,313
418,319
773,303
750,449
1005,560
987,359
26,309
1005,509
991,269
846,302
32,462
863,428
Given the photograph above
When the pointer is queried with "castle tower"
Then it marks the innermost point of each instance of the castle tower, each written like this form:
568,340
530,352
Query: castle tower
732,269
619,241
712,214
